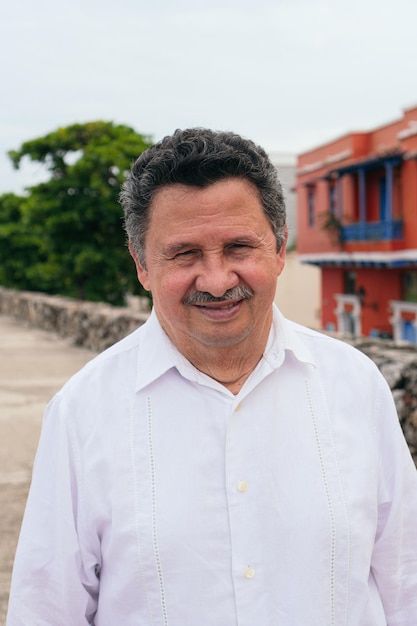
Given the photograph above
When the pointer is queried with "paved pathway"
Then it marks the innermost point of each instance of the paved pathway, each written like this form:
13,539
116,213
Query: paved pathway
33,365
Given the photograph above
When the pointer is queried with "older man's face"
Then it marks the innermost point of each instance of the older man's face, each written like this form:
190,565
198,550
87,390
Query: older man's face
211,265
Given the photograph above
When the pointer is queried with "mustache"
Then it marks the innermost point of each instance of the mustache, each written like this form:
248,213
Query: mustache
240,292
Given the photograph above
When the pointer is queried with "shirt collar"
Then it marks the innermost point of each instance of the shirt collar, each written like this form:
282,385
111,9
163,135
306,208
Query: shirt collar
286,336
158,354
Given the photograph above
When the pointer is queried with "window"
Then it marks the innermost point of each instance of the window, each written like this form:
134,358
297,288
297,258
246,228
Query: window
409,286
349,282
311,206
332,199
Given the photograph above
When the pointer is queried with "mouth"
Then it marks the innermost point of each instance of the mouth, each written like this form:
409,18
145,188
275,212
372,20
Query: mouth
220,311
225,304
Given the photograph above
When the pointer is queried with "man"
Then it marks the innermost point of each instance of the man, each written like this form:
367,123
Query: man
221,466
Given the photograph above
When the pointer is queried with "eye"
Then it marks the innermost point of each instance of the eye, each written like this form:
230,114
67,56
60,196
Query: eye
238,247
186,255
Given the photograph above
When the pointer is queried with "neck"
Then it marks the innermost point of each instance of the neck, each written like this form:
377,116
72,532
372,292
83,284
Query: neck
228,358
230,366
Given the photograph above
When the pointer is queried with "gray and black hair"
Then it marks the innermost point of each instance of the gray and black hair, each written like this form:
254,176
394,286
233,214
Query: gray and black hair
198,157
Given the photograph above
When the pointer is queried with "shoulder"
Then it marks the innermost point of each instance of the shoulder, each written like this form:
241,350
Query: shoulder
109,367
332,353
98,397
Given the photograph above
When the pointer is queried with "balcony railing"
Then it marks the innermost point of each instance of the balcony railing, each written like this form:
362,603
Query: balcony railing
373,231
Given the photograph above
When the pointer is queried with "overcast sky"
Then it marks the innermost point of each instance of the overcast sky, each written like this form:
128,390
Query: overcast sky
290,74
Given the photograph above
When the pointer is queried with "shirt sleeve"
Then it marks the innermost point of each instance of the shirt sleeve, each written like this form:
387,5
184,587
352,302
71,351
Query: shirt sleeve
54,580
394,562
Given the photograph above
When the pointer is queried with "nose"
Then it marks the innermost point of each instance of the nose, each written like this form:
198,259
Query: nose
216,276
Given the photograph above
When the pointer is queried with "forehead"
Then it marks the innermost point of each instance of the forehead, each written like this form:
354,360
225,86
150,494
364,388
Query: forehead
232,198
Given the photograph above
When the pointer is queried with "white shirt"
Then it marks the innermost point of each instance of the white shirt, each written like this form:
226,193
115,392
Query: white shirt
161,499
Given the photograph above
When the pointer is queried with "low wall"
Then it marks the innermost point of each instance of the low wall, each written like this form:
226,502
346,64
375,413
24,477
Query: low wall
398,364
88,324
97,326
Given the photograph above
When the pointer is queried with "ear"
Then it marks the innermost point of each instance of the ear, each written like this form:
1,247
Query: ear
281,254
141,272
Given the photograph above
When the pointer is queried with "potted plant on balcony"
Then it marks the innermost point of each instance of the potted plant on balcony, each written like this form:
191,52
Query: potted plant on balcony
333,226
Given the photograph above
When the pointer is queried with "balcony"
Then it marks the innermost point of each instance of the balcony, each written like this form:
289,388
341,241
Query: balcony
372,231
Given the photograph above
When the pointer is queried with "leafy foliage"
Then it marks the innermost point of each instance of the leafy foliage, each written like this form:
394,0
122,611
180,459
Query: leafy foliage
18,246
66,235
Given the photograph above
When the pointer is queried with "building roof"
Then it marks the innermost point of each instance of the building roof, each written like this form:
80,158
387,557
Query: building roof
400,258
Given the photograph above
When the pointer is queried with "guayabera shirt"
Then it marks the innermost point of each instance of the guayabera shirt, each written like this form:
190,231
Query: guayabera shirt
160,498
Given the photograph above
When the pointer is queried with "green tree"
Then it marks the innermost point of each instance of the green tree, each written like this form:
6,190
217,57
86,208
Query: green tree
75,218
19,248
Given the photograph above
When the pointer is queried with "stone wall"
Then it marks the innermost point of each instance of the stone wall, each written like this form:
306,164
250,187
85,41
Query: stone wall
88,324
97,326
398,364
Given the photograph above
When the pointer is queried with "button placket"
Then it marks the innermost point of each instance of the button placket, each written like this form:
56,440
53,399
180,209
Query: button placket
242,464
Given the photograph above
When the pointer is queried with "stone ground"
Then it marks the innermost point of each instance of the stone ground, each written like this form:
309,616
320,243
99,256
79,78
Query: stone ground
33,365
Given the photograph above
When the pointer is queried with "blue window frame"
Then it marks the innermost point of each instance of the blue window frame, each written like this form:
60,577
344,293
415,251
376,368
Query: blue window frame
409,332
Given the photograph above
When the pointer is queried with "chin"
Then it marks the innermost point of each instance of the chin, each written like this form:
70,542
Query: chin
223,340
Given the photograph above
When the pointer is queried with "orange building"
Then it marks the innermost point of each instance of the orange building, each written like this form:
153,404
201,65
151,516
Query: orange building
357,221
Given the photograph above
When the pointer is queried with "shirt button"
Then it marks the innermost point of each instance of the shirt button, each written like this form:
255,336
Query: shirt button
238,407
249,573
242,486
